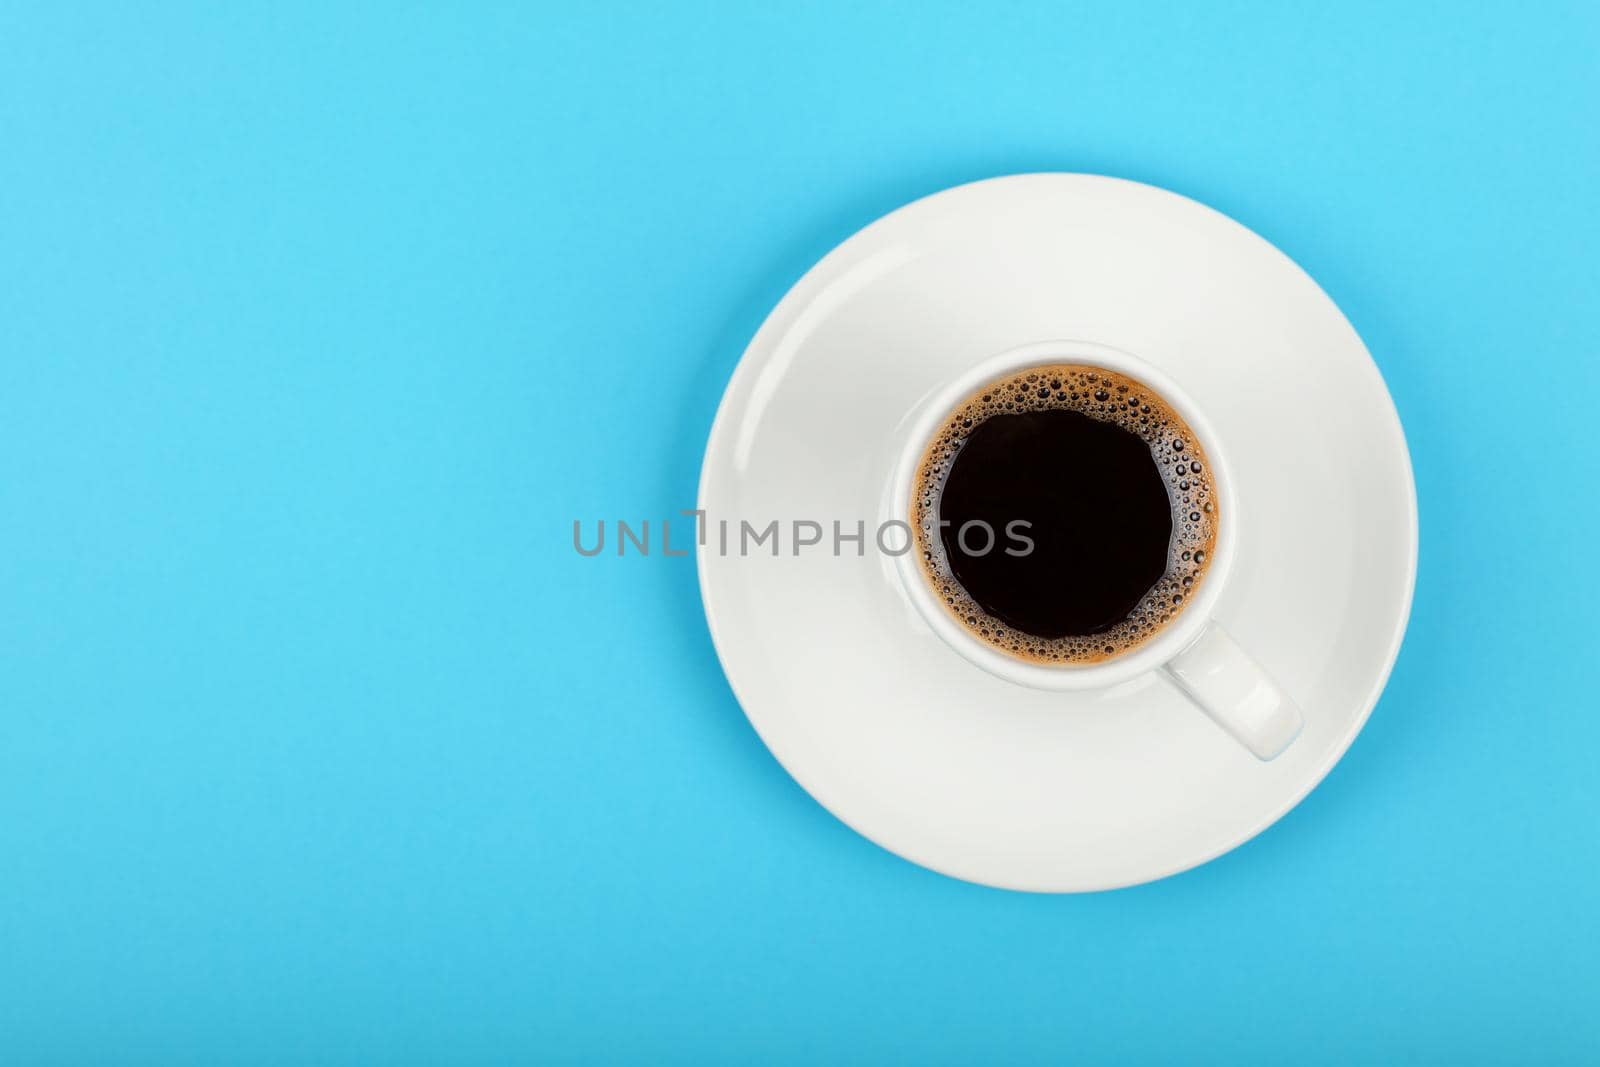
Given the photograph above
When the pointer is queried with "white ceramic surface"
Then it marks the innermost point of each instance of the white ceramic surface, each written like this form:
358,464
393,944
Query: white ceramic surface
911,744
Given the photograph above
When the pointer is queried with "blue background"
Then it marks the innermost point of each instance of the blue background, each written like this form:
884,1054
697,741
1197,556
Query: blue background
320,324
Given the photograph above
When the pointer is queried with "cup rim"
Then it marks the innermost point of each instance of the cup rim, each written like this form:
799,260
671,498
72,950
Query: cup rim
932,412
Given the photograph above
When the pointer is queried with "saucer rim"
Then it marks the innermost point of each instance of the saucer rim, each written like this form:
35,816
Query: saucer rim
1312,779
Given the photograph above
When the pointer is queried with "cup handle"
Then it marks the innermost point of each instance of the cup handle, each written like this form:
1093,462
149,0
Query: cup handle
1239,696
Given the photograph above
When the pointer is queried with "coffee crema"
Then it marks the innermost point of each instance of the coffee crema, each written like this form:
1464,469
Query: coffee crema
1065,514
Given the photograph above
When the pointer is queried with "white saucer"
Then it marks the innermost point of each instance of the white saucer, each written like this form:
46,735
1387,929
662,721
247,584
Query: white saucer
902,738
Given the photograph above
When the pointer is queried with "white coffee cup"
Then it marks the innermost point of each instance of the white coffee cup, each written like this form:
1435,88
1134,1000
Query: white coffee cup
1193,650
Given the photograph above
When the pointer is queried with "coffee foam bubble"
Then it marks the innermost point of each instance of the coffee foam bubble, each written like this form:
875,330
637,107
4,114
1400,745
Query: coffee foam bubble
1109,397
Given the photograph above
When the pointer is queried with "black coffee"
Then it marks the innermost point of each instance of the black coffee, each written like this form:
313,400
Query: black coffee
1065,513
